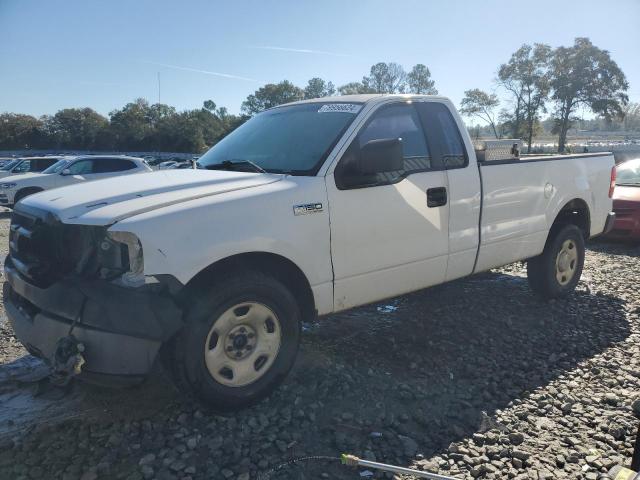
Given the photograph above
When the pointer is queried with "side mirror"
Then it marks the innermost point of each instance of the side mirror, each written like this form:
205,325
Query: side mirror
66,171
379,156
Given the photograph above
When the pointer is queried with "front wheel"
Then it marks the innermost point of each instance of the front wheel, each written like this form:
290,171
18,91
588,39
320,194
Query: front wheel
556,271
239,341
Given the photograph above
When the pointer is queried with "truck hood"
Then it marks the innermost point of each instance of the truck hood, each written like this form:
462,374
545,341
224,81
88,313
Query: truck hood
108,201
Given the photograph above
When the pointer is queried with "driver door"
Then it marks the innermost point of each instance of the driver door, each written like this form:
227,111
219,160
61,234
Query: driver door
390,230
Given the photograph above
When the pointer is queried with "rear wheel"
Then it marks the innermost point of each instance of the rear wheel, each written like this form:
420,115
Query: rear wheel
240,340
557,271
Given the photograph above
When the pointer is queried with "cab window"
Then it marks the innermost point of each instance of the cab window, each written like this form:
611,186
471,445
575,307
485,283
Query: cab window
444,135
394,122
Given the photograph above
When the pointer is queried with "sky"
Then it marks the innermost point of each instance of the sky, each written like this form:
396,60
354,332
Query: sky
104,53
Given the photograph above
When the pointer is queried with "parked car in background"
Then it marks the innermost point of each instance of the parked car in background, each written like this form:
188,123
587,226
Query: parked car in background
187,164
5,161
68,171
167,165
626,202
28,165
8,165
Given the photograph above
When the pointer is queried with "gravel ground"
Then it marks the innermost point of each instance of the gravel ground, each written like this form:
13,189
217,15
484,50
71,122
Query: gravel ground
473,379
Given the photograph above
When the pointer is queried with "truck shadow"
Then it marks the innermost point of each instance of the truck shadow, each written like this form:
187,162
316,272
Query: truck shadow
615,247
436,365
433,366
28,399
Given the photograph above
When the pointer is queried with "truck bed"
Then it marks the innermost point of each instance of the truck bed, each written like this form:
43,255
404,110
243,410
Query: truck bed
521,198
528,158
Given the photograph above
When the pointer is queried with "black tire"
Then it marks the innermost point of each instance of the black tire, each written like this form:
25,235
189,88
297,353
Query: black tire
542,270
187,352
25,192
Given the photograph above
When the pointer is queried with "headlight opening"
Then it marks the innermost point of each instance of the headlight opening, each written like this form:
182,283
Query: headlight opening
128,258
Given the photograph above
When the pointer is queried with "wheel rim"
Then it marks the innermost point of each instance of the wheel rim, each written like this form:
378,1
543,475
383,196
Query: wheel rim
566,262
242,344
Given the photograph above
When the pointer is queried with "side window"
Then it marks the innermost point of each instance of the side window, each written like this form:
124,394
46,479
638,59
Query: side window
81,167
399,122
107,165
24,166
47,162
40,164
441,126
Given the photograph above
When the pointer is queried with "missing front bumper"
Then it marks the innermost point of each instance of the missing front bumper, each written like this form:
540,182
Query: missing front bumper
122,329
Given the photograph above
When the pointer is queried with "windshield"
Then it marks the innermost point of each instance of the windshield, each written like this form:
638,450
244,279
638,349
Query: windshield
9,165
56,167
294,139
628,173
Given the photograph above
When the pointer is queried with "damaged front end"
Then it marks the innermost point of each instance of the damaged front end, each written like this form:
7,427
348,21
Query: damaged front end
86,285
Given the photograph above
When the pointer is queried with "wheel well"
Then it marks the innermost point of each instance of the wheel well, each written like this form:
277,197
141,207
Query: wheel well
575,212
27,191
281,268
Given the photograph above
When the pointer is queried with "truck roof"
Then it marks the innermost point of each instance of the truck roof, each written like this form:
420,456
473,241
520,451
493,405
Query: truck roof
363,98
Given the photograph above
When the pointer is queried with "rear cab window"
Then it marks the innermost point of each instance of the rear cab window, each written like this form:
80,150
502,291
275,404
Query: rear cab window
443,134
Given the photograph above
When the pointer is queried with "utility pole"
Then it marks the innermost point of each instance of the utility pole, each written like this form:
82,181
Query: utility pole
158,153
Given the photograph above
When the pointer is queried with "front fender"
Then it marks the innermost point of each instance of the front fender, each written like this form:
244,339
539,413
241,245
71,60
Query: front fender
182,240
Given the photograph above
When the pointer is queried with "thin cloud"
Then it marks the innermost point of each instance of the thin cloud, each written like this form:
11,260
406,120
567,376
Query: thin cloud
301,50
102,84
206,72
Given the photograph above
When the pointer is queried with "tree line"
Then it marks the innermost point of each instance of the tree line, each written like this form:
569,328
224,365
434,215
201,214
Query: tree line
536,79
138,126
383,78
141,126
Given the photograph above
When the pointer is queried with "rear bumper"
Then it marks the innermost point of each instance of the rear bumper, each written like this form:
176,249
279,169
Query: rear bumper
122,329
626,226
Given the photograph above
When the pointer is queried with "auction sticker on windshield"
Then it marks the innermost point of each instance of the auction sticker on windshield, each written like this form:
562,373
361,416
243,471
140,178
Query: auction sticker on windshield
340,108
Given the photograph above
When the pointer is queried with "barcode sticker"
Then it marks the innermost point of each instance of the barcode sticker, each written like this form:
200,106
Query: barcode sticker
340,108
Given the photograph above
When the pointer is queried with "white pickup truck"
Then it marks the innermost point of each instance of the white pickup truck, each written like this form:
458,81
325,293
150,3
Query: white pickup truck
306,209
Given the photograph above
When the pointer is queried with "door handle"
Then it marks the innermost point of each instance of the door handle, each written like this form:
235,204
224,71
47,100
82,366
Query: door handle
436,197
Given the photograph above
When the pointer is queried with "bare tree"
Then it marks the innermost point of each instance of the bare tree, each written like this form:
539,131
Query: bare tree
353,88
385,78
583,74
317,87
526,77
419,81
477,103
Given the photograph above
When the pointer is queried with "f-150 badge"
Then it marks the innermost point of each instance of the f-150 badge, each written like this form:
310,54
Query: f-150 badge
307,208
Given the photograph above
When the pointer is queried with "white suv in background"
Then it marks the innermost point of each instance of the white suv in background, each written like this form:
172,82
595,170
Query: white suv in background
24,165
68,171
